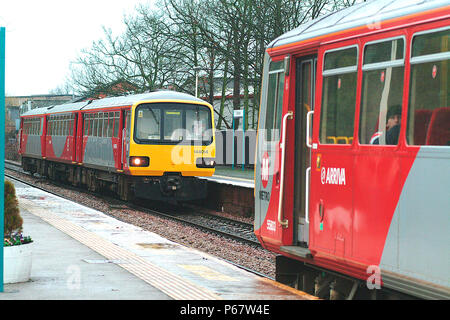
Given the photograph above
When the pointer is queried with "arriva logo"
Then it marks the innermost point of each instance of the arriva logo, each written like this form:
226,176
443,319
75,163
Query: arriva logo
332,176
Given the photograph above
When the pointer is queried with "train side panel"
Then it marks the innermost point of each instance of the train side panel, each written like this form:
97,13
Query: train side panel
99,151
416,244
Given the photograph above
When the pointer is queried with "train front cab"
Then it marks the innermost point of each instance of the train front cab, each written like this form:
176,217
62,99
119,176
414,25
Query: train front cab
170,143
370,208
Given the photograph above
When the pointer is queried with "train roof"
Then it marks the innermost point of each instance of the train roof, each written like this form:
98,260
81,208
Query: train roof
113,102
132,99
367,13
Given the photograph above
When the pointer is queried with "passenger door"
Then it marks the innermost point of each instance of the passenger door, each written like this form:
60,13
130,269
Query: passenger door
126,129
304,106
332,158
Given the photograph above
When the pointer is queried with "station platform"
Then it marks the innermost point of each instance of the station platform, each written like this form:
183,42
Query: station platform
233,176
82,254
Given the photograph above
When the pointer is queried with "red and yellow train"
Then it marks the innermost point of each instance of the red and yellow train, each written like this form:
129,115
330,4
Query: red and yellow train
352,175
150,145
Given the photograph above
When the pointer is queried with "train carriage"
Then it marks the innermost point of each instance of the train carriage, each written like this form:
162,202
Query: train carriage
148,145
31,138
352,172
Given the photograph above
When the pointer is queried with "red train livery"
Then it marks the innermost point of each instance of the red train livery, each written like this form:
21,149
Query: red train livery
352,176
150,145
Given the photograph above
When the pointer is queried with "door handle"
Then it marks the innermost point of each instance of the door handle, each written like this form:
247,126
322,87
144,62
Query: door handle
281,220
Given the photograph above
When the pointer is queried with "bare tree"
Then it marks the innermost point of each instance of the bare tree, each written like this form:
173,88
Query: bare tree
225,38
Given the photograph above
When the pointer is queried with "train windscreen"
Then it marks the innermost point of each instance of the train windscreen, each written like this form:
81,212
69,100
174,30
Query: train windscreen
173,123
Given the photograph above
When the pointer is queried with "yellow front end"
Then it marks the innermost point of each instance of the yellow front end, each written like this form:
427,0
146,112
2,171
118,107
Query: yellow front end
167,158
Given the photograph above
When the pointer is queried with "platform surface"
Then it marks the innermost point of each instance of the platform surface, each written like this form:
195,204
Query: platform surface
81,253
236,177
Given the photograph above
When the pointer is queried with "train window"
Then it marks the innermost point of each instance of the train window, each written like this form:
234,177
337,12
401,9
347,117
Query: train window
91,124
116,125
173,121
429,109
148,121
86,125
274,107
100,124
128,124
56,127
94,125
338,96
197,124
382,92
71,124
340,59
105,125
110,125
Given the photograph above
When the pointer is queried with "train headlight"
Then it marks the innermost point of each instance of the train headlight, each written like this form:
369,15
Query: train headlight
139,161
205,163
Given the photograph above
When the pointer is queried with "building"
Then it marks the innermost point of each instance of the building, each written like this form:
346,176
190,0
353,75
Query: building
16,105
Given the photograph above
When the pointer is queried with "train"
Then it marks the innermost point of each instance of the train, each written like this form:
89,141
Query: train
352,168
150,146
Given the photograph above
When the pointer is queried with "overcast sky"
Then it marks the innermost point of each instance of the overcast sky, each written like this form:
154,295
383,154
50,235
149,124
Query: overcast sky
44,36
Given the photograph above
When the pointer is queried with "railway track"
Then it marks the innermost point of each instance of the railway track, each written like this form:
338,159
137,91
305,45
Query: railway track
229,228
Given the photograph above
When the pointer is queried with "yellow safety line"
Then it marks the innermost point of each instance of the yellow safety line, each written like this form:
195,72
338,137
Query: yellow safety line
172,285
290,289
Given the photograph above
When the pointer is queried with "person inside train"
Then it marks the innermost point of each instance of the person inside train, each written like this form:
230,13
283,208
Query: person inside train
393,116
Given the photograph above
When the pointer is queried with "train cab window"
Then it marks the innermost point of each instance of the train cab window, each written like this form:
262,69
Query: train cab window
170,123
338,96
382,92
173,121
148,122
274,101
197,124
429,98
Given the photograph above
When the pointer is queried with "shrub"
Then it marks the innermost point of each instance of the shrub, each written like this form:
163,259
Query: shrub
13,220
